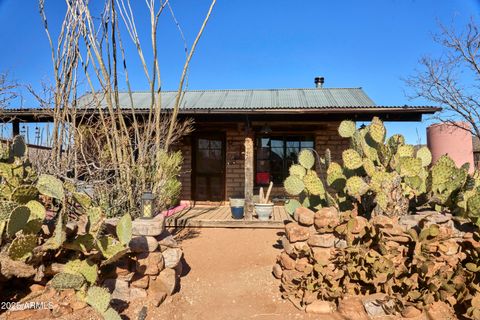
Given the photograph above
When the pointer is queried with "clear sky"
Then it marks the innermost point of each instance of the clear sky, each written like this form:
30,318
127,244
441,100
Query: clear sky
266,44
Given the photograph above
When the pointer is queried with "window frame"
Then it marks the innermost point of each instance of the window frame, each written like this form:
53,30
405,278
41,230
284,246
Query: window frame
285,137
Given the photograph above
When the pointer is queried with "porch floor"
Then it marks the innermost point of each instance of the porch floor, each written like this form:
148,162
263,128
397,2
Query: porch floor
221,217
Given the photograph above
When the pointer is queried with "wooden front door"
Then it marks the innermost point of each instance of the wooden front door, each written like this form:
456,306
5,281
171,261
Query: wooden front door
209,167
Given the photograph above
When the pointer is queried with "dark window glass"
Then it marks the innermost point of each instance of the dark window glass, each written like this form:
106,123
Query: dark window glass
275,155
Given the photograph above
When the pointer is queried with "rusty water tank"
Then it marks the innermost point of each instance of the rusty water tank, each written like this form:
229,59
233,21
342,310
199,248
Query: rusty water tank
445,138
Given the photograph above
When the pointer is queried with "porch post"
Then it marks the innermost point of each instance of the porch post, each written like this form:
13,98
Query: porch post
249,176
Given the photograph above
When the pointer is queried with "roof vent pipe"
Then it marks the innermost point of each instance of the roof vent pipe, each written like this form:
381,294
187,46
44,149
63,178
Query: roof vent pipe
319,81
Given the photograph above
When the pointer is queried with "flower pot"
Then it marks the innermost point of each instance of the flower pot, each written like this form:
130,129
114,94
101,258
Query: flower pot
237,207
264,211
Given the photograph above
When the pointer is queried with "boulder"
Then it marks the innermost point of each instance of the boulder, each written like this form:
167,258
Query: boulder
166,281
277,271
304,216
352,308
157,297
118,288
325,240
287,246
137,293
326,218
320,307
172,257
139,281
148,227
143,244
286,261
149,263
303,266
295,232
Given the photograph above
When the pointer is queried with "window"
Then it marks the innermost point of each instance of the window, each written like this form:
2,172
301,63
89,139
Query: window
275,154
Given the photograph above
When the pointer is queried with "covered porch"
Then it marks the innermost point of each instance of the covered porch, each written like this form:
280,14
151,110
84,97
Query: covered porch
208,216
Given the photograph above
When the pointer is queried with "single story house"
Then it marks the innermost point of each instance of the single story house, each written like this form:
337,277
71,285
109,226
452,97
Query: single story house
243,139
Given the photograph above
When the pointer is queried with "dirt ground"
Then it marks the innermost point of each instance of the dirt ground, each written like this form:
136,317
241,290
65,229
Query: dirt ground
229,277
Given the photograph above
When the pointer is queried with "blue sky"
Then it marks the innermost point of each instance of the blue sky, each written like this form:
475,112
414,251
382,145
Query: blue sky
266,44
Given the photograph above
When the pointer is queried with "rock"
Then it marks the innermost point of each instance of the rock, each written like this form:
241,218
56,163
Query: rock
36,288
166,281
340,243
148,227
326,240
304,216
440,310
118,288
78,305
302,265
411,312
376,304
301,245
287,246
277,271
143,244
320,307
326,218
60,311
351,308
287,262
157,297
123,267
360,224
166,240
296,232
137,293
289,275
149,263
139,281
321,255
172,257
179,269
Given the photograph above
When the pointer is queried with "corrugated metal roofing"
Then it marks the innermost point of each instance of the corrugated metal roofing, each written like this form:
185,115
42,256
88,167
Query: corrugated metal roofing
316,98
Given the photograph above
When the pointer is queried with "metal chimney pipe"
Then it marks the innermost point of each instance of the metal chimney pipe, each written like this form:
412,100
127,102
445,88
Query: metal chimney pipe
319,81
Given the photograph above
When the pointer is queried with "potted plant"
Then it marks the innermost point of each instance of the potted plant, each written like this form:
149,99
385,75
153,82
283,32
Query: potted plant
264,207
237,207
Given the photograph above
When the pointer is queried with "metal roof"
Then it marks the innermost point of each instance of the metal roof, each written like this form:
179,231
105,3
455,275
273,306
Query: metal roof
316,98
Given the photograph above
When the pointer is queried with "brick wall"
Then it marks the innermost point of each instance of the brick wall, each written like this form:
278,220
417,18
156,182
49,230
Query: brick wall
326,137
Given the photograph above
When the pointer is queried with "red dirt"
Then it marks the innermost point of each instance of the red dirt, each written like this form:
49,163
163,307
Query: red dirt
229,278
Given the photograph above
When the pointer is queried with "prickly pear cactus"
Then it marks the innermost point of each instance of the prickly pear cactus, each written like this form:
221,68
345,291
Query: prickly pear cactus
64,281
50,186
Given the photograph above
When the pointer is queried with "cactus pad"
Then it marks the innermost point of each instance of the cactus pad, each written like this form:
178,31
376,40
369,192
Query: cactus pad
346,129
293,185
306,158
124,229
426,156
297,170
291,205
377,131
351,159
368,166
406,150
98,298
23,194
50,186
313,184
111,314
22,246
64,281
356,187
37,210
18,220
410,167
6,208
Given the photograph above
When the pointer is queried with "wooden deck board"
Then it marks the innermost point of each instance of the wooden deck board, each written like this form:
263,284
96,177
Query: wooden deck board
220,217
